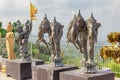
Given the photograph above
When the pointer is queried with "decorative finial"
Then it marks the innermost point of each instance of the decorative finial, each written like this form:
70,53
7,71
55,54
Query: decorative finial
92,15
74,16
79,13
54,19
45,15
92,18
45,18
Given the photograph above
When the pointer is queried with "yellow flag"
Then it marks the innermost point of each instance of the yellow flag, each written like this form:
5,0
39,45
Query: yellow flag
33,11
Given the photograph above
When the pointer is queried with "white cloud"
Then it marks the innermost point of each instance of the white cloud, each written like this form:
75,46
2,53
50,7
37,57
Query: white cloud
105,11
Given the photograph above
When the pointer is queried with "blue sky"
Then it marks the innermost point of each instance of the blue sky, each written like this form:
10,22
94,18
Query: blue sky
105,11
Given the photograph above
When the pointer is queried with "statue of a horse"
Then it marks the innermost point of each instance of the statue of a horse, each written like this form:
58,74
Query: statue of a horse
84,35
71,33
76,28
44,28
55,32
92,27
55,38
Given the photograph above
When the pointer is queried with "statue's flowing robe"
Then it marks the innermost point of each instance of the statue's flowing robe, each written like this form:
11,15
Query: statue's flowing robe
10,45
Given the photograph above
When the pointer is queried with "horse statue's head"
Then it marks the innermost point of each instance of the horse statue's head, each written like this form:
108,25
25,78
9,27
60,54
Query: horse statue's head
43,28
70,25
56,29
92,27
45,25
80,22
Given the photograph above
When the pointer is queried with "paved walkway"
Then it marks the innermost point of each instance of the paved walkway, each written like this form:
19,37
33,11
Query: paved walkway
4,77
117,78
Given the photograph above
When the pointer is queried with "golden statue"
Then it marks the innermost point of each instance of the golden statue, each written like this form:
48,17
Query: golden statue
114,50
10,42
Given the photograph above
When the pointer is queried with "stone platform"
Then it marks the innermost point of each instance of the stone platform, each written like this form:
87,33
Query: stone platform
77,75
48,72
4,77
20,70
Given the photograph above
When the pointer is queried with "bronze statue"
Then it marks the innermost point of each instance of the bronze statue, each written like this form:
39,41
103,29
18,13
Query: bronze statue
54,30
55,38
77,34
92,27
22,39
44,28
114,50
72,34
84,34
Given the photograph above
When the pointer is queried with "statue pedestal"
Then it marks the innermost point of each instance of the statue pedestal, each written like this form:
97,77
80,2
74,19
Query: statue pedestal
48,72
77,75
20,70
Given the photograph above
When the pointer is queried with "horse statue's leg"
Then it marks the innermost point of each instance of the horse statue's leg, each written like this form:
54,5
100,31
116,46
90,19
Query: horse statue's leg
40,34
84,48
53,53
44,41
79,45
37,40
69,39
91,51
58,59
41,39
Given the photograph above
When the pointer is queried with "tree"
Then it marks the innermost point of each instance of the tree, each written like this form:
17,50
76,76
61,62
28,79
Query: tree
0,24
3,32
14,25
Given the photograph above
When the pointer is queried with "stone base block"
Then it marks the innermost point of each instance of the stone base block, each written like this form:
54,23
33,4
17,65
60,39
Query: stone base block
77,75
20,70
48,72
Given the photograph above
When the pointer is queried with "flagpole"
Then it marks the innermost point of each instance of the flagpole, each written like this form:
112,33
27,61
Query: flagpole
33,11
31,25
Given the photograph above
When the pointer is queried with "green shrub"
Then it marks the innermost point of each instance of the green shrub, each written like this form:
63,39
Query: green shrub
40,52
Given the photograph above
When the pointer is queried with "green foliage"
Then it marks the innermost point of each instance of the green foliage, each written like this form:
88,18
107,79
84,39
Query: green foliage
40,52
0,24
70,56
114,67
3,47
14,25
3,32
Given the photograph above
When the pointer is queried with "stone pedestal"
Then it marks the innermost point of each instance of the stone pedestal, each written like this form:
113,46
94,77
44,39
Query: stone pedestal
37,62
20,70
77,75
48,72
